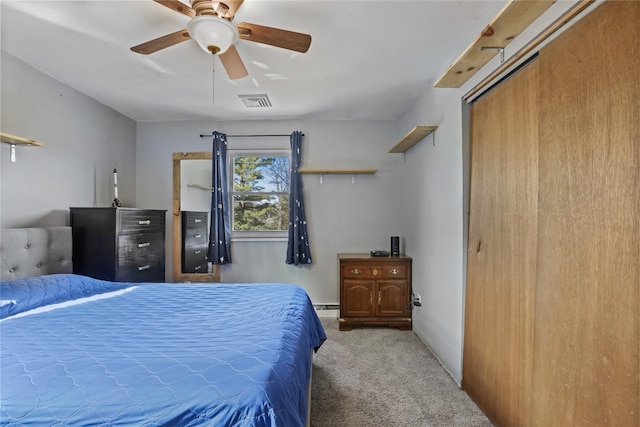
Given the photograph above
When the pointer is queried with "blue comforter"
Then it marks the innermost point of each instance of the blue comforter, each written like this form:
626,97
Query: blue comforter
156,354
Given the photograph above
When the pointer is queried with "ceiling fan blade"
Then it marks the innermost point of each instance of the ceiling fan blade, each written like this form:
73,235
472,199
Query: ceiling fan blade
233,63
285,39
161,42
227,8
178,6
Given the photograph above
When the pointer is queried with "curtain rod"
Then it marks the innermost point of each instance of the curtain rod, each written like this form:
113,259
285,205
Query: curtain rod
248,136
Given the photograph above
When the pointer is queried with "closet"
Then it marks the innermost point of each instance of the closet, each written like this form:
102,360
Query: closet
552,325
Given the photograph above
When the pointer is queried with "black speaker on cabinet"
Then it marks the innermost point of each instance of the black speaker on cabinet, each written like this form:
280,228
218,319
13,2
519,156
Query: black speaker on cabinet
395,246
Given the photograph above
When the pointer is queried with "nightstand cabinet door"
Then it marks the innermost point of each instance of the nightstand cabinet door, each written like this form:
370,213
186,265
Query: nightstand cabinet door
374,291
357,298
119,244
393,298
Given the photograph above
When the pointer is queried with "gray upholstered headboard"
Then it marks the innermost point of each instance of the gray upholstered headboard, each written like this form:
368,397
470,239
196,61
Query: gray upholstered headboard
27,252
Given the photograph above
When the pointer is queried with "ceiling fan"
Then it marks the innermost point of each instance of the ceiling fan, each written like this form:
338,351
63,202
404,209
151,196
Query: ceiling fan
211,28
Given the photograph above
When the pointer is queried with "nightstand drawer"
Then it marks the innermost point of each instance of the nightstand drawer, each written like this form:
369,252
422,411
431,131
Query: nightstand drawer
394,271
354,271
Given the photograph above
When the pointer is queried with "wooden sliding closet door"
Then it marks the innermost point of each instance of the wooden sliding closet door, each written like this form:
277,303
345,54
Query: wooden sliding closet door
586,361
498,336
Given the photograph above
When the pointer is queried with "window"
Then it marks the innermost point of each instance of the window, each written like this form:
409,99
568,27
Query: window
260,194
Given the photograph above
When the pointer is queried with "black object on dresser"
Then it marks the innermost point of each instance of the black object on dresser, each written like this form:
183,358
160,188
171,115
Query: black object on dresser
119,244
194,242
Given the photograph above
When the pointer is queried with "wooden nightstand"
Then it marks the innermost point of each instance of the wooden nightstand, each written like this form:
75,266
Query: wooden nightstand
374,291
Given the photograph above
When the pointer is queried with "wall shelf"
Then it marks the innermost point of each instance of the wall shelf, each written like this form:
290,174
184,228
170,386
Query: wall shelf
16,140
13,141
412,138
352,172
338,171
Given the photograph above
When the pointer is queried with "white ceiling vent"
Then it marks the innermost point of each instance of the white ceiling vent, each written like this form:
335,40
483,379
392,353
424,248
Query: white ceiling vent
252,101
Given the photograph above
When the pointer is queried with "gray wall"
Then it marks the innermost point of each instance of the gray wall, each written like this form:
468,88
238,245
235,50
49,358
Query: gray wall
83,141
342,216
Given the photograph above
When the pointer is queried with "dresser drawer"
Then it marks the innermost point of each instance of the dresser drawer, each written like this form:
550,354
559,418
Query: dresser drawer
140,254
195,220
195,236
194,253
354,271
141,221
196,267
145,273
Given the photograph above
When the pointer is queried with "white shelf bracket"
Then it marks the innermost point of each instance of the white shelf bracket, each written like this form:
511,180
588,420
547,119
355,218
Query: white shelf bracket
499,49
13,152
321,178
353,179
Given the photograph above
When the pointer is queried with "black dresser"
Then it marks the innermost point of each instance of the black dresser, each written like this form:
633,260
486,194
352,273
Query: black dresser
194,242
119,244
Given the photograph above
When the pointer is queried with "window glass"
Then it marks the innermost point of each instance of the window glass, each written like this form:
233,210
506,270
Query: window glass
260,193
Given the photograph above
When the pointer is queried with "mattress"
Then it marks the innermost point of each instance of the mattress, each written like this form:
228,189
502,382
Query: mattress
155,354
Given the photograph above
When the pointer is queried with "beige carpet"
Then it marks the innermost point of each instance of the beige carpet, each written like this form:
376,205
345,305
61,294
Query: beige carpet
384,377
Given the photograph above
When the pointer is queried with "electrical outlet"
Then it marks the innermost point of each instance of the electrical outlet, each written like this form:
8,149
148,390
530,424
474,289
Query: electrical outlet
416,300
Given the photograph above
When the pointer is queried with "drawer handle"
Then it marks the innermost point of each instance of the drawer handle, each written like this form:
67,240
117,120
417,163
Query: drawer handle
197,252
394,271
144,245
355,271
197,267
145,222
370,298
375,272
197,236
144,267
197,221
379,297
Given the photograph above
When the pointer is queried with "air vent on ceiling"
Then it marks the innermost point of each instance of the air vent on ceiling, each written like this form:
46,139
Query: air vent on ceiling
252,101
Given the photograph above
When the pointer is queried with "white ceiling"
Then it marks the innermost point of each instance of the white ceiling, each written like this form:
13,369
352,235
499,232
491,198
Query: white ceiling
367,60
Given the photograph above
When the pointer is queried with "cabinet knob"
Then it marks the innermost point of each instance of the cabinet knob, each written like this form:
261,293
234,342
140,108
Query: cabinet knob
355,271
379,297
375,272
394,271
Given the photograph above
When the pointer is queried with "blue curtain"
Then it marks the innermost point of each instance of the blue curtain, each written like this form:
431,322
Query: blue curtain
298,251
220,232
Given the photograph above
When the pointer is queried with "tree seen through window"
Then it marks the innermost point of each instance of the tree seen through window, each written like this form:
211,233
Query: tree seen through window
260,193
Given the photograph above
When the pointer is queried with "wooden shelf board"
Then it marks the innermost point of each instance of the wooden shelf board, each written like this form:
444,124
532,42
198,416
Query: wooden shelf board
412,138
506,26
16,140
339,171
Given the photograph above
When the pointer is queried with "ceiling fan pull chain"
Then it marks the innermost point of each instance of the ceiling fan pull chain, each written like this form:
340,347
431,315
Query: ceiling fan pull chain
213,79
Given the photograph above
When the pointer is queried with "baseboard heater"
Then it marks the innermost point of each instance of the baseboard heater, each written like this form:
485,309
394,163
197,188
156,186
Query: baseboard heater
326,306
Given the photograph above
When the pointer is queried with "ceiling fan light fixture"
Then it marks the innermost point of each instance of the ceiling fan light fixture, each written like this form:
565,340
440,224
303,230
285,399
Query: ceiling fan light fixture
213,34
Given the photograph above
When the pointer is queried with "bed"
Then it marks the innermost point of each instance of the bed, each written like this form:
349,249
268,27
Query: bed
80,351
